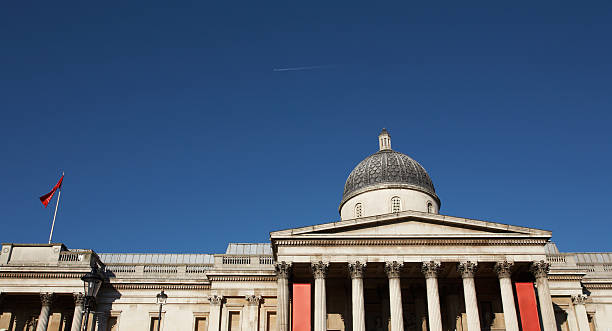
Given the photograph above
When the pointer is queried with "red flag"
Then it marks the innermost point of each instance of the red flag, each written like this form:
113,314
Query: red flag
47,197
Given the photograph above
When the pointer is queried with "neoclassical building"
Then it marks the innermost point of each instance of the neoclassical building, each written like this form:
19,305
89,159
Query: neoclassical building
392,262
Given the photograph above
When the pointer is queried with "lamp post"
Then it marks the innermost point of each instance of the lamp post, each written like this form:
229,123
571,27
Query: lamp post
161,301
91,285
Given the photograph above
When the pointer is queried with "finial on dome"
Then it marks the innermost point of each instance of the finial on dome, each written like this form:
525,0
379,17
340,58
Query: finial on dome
384,140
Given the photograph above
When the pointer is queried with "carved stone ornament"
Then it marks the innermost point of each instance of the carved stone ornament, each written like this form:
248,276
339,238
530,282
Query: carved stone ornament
79,298
356,269
46,299
215,299
467,269
430,269
319,269
253,300
503,269
393,269
579,299
540,269
282,269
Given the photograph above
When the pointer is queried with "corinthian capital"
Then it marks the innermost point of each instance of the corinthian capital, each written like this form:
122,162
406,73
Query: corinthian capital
319,269
467,269
503,269
579,299
215,299
430,269
393,269
283,269
253,300
78,298
356,269
46,299
540,269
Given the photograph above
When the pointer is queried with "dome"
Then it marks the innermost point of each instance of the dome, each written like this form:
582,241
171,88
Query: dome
388,169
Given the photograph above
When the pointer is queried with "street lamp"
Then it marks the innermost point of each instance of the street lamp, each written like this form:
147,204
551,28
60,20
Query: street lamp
91,285
161,301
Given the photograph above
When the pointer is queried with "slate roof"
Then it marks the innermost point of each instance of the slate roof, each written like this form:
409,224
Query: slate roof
249,249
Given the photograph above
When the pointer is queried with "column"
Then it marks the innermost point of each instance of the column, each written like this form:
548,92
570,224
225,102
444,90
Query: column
283,271
430,270
319,270
581,314
43,318
356,270
77,316
393,270
467,271
214,318
253,311
101,320
504,272
540,271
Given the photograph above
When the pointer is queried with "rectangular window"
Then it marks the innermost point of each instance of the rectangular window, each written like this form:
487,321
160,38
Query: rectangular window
201,324
234,321
154,322
271,321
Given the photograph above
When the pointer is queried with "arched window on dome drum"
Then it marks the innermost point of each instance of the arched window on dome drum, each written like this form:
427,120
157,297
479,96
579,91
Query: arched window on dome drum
358,210
396,205
429,207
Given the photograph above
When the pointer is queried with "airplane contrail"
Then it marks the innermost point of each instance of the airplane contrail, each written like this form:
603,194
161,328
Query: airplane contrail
301,68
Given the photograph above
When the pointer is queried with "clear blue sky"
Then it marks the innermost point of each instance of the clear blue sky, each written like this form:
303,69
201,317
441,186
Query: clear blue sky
177,135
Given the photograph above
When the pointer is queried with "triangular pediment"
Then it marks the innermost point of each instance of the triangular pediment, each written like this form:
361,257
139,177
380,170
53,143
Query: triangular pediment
410,224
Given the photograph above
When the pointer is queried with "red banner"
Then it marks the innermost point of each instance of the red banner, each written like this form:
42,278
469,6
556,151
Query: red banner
301,307
528,306
47,197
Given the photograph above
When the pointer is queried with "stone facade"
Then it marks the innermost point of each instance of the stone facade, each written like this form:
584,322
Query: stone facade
399,268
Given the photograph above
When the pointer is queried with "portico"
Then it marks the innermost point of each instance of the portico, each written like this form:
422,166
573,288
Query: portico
413,270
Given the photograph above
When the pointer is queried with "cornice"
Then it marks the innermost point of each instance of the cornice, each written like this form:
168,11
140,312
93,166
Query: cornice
552,277
238,278
597,286
156,286
40,275
410,242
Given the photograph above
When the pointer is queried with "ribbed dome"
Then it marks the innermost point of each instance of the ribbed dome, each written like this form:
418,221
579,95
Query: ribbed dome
388,169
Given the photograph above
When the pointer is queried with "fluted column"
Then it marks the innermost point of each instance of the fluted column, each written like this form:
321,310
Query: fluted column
319,270
581,314
430,270
504,272
393,270
215,312
253,311
356,270
43,319
540,271
77,316
283,271
467,270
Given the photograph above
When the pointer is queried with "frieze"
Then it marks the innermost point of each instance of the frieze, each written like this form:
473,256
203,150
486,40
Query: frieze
598,286
157,286
228,278
410,242
40,275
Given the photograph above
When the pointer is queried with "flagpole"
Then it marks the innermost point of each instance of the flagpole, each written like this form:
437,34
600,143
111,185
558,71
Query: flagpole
59,194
